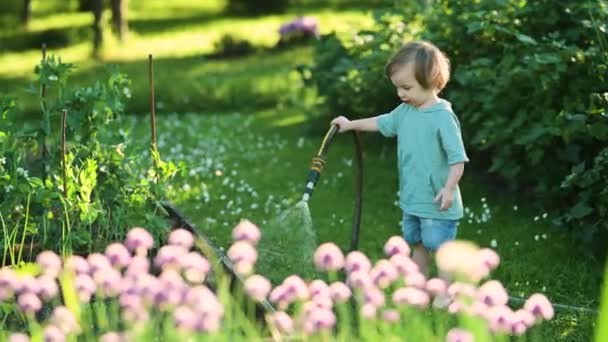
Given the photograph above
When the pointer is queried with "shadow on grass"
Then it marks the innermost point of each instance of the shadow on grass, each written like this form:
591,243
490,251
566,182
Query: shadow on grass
186,84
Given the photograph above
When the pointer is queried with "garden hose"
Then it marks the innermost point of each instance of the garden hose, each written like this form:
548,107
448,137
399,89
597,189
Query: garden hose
316,168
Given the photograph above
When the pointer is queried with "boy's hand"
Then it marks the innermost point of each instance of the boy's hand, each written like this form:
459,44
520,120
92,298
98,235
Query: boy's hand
342,123
446,197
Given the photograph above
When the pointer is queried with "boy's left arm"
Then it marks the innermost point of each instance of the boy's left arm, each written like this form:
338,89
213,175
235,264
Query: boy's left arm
451,141
446,194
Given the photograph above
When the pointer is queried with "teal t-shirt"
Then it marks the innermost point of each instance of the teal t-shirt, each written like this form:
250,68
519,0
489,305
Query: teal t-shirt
428,142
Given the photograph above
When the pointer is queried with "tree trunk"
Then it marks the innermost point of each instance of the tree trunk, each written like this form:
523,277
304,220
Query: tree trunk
97,29
26,13
86,5
119,18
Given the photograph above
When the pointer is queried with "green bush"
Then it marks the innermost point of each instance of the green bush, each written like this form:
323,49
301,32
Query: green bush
528,83
231,46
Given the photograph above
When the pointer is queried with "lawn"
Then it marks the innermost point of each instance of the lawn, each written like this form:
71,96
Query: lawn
248,143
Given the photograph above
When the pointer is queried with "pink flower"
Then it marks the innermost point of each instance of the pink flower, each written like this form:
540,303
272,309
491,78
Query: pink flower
489,258
539,306
369,310
404,264
138,265
53,334
77,264
203,300
85,287
359,280
357,261
185,318
242,251
383,274
328,257
319,319
246,231
458,335
493,293
390,315
18,337
282,322
139,240
29,302
318,288
416,279
374,296
65,320
109,283
295,285
47,287
257,287
8,283
27,283
396,245
118,255
169,256
113,337
195,267
181,237
436,286
411,296
465,290
49,262
98,262
339,292
500,318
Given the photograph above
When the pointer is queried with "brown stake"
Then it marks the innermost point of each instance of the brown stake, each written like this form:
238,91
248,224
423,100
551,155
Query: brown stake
43,147
63,152
152,114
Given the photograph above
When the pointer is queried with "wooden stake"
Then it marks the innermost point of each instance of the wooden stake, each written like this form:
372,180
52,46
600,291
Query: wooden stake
64,152
152,113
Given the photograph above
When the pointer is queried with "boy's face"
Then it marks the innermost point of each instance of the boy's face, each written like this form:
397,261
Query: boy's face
408,88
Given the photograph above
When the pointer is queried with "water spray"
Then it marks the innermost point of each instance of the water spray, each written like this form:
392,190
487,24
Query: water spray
316,168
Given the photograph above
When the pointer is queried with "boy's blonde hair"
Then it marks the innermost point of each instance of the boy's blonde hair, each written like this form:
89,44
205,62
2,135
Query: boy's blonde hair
431,65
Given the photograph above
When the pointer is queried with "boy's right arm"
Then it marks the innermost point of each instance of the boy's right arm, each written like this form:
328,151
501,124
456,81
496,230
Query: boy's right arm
345,125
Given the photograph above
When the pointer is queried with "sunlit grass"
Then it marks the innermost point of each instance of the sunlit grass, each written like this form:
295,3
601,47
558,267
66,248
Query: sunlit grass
191,39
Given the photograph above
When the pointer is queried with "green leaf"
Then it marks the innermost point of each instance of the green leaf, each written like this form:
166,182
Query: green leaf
580,210
525,39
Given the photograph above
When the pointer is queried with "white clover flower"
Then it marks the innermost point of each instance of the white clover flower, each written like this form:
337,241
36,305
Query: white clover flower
483,199
516,243
53,78
515,208
536,237
493,243
545,215
536,218
544,236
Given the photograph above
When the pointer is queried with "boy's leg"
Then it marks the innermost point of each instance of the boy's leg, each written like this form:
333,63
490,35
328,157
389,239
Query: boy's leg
422,257
434,233
412,234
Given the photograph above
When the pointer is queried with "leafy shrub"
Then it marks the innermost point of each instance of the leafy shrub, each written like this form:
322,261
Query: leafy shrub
528,83
231,46
94,184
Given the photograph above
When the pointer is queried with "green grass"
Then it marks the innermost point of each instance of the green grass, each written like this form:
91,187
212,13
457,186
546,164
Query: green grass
178,36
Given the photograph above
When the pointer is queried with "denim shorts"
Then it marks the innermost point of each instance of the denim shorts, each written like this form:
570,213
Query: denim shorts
431,232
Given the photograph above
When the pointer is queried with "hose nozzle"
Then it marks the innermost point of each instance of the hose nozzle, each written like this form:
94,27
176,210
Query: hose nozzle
318,162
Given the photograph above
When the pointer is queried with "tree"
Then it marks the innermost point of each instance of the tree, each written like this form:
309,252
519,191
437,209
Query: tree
119,18
26,12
